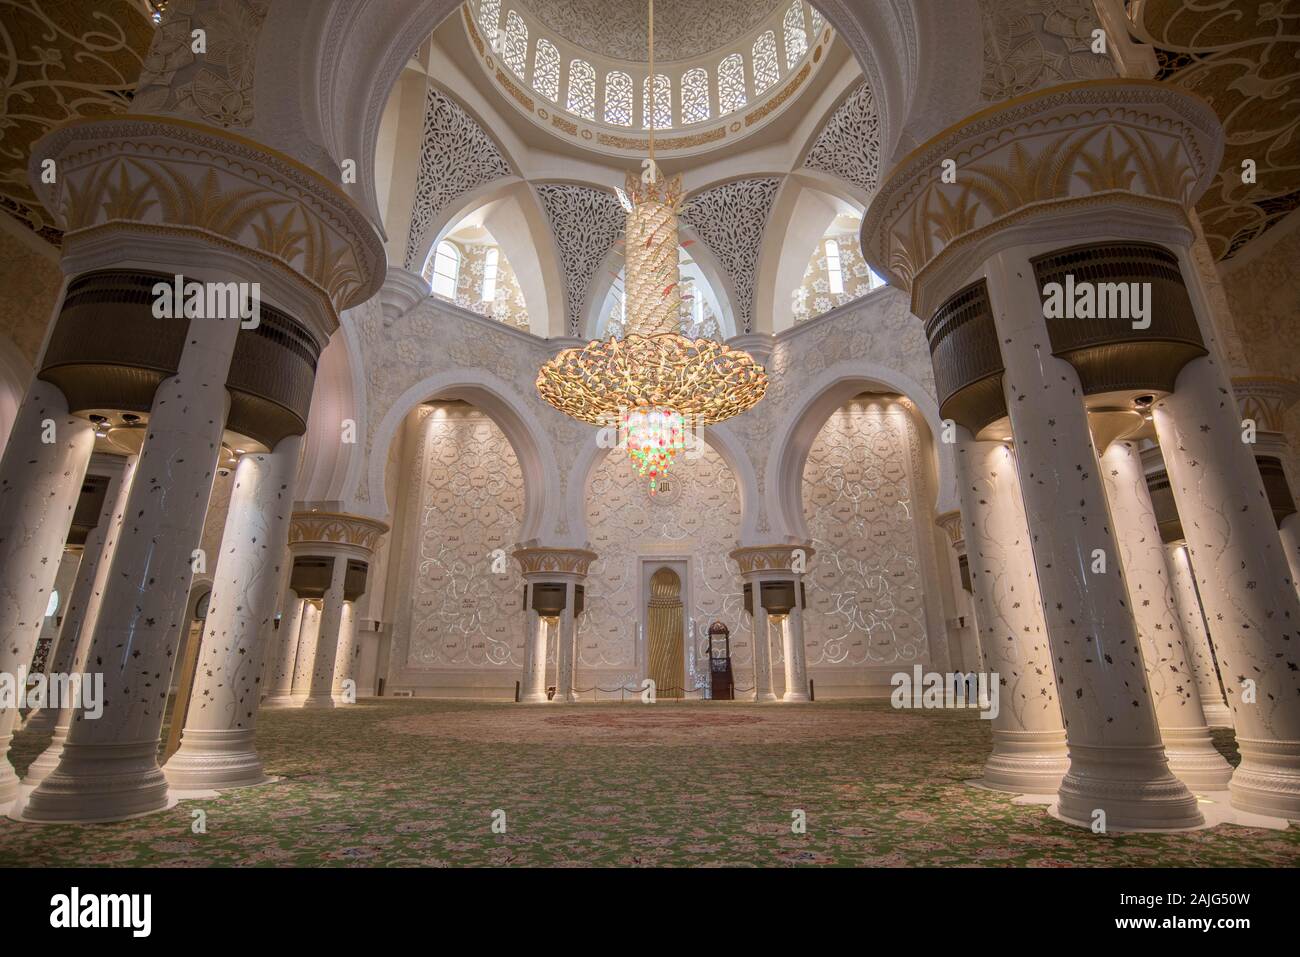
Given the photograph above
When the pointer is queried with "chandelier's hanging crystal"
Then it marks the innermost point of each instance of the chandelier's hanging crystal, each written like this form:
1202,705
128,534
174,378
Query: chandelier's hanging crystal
654,383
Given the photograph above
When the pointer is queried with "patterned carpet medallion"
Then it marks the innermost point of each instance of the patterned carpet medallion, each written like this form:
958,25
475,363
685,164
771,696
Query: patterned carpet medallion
415,783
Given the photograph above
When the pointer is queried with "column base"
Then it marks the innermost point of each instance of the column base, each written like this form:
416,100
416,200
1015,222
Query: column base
215,760
1026,762
41,721
318,701
1133,785
533,697
48,759
100,782
1268,779
795,696
281,701
1217,715
1194,759
763,696
8,776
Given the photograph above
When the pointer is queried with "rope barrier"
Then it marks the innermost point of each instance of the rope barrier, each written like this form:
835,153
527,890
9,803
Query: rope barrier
659,693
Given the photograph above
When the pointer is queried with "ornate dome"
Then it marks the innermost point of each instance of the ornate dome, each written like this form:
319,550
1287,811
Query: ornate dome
578,68
617,28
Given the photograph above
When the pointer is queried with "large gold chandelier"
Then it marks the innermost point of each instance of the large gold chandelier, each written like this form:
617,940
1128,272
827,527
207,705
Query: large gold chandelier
654,384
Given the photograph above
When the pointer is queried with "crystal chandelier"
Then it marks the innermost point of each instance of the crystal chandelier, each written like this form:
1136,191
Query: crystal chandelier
654,384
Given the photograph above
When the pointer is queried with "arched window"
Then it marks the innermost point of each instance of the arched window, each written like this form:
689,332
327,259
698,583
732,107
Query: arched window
446,270
833,269
695,96
796,34
515,51
489,17
52,606
731,84
663,118
766,71
618,99
490,260
546,70
582,89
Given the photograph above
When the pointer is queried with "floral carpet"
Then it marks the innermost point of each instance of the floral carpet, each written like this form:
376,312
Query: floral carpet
416,783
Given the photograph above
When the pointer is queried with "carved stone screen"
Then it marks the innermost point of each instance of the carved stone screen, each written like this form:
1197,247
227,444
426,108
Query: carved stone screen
696,519
465,618
861,488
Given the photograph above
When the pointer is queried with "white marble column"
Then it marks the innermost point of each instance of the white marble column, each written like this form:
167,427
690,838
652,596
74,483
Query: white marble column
83,606
308,639
1191,753
1117,760
41,720
64,659
1195,637
321,692
1289,531
41,474
286,653
1244,581
217,748
533,687
796,669
762,649
1029,753
109,768
345,659
273,639
567,663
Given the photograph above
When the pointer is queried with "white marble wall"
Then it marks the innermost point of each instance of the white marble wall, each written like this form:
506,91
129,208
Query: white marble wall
866,586
697,518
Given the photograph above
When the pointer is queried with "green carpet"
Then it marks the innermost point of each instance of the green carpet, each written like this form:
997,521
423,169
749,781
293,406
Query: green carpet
414,782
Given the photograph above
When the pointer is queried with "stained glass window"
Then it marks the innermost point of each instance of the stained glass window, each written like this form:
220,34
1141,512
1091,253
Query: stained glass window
582,89
663,118
766,71
731,84
546,70
515,51
618,99
818,21
796,34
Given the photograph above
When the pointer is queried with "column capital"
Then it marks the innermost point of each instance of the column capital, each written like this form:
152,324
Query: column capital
335,531
540,561
1266,399
950,522
402,289
139,176
1139,144
760,345
762,560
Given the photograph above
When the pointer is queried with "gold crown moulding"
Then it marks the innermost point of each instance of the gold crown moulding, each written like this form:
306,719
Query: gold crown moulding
702,380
